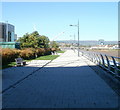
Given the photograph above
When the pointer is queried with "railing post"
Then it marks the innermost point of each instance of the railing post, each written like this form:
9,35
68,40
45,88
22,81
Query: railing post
90,56
98,59
108,63
103,62
94,58
115,66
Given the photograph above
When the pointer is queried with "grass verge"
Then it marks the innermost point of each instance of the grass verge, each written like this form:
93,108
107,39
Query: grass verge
60,51
47,57
11,64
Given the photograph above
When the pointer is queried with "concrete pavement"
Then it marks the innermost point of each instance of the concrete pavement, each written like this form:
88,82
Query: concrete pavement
13,75
66,82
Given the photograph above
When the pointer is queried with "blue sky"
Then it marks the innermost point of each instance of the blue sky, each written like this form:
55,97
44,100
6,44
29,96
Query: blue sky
97,20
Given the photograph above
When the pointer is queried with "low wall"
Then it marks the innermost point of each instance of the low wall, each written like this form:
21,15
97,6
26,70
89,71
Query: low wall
10,45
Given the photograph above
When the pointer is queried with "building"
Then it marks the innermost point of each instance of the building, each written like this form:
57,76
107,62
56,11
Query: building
101,41
15,37
7,33
8,36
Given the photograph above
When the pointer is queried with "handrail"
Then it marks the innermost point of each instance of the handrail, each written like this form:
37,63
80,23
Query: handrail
110,63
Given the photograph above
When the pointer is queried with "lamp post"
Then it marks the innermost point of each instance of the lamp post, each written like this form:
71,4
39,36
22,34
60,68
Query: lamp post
78,36
74,43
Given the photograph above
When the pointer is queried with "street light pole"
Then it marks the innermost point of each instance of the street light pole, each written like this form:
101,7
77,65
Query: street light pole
78,39
78,36
74,42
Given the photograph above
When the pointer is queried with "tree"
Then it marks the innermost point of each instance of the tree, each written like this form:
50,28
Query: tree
54,44
34,40
43,41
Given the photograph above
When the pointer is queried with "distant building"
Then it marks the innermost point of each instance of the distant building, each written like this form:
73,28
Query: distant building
8,36
105,47
15,37
101,41
7,32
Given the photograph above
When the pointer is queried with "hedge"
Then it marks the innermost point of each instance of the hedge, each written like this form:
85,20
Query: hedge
9,55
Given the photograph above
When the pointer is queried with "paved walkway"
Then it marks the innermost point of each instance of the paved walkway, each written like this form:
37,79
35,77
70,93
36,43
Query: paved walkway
13,75
66,82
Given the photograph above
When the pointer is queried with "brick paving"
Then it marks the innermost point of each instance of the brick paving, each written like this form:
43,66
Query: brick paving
12,75
66,82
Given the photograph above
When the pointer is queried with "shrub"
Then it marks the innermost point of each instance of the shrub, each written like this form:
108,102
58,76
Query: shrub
28,53
40,52
53,49
9,55
48,51
43,51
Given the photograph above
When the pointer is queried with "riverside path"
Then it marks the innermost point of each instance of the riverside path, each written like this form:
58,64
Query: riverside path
66,82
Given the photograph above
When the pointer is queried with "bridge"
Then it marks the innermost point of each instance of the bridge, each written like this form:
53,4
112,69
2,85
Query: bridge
90,81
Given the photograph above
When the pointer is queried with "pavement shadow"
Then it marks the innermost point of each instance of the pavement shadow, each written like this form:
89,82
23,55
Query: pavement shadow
80,87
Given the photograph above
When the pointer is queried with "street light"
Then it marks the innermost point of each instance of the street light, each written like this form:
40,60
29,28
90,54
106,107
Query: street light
78,36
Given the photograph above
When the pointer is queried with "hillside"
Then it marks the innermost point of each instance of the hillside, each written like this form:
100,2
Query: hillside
89,42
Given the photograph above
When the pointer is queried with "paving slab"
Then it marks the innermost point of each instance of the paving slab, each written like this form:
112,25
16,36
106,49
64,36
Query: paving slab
66,82
13,74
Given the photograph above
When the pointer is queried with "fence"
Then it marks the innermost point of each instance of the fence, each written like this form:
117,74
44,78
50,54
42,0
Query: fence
110,63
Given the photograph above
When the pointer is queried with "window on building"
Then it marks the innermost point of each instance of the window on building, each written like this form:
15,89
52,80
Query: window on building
4,33
9,36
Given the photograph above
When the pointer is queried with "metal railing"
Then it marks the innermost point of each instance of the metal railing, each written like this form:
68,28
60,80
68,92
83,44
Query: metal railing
110,63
